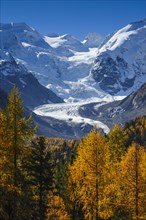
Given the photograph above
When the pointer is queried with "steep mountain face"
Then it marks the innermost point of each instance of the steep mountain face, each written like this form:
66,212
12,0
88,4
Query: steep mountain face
33,93
136,100
120,65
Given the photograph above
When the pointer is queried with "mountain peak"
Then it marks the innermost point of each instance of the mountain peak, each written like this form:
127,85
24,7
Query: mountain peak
65,42
14,26
93,39
69,37
139,23
120,64
52,35
17,33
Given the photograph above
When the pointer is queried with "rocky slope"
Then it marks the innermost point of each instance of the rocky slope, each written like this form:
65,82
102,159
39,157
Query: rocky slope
118,112
32,92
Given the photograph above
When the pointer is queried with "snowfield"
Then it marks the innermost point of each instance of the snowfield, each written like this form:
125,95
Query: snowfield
84,57
54,41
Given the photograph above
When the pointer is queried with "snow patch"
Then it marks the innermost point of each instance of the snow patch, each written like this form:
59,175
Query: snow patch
26,44
54,41
22,81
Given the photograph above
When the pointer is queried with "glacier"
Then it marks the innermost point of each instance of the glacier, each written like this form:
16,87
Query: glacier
80,73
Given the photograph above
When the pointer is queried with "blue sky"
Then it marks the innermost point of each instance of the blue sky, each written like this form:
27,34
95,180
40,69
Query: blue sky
76,17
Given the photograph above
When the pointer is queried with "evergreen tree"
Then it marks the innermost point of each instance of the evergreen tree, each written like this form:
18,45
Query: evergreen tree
40,171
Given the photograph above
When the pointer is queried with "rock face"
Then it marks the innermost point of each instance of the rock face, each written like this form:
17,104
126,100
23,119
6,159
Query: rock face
120,65
33,93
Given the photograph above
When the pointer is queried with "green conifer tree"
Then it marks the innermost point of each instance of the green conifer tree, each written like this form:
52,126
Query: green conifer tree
40,171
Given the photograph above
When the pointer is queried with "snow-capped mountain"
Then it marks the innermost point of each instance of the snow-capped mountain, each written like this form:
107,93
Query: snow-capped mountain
61,63
14,34
120,65
66,41
75,70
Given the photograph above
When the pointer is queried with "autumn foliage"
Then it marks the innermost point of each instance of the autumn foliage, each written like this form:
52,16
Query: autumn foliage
100,177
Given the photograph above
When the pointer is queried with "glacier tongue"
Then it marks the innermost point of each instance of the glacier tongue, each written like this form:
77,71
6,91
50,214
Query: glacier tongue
69,112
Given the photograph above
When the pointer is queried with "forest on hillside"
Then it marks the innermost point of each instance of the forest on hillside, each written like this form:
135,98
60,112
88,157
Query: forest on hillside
101,177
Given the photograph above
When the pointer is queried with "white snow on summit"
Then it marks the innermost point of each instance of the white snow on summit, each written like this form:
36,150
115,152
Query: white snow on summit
120,65
63,63
121,37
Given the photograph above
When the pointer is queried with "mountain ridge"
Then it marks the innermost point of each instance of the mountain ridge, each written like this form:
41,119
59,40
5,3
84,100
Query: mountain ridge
120,64
72,69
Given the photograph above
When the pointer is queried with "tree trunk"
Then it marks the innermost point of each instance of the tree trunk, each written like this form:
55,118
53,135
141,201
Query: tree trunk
96,193
136,182
15,160
41,190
